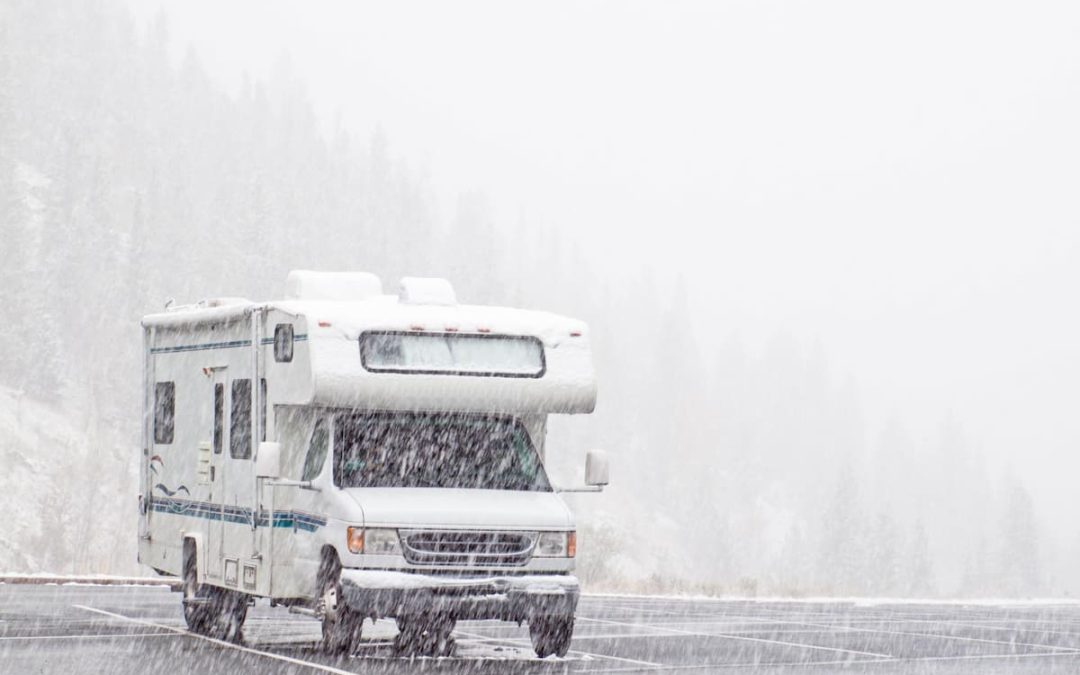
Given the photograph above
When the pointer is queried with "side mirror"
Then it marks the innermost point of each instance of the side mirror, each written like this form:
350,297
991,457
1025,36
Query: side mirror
596,468
268,461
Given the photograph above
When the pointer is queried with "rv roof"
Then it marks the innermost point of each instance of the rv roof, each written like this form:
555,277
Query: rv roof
387,312
351,302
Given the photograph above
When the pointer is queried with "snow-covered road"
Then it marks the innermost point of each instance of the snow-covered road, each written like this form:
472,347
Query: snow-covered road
119,629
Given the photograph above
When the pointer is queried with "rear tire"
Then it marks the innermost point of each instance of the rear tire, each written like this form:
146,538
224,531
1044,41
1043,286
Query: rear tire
232,610
551,635
208,610
196,596
341,625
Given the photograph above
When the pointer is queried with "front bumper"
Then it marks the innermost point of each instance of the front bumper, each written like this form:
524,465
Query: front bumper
384,593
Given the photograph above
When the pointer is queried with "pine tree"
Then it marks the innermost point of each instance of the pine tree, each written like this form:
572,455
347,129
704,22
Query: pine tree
1018,555
921,582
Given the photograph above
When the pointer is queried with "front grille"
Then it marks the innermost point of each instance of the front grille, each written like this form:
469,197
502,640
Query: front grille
470,549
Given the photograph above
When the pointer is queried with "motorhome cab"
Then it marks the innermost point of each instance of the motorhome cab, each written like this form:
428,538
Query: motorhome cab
355,455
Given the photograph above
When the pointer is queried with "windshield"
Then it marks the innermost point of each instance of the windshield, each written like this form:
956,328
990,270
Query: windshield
441,450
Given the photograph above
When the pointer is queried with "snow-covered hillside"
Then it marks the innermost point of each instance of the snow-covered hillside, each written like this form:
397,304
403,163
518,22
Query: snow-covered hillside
69,491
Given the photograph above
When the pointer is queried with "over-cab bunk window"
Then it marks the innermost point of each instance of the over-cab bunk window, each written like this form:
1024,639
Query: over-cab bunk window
452,354
283,342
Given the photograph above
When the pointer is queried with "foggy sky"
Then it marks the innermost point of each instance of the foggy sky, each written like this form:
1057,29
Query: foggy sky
896,181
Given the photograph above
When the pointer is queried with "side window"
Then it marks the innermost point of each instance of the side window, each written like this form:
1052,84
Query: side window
219,418
283,342
164,411
316,454
240,420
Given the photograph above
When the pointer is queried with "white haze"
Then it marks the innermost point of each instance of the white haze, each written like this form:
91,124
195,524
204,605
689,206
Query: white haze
829,251
894,181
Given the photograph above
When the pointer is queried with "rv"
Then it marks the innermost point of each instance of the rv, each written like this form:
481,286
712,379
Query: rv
354,455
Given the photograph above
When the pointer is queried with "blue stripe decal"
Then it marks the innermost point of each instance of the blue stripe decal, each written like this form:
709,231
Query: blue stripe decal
218,345
302,337
296,520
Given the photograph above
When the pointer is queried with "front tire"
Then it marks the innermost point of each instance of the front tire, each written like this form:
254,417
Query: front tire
427,636
341,625
551,635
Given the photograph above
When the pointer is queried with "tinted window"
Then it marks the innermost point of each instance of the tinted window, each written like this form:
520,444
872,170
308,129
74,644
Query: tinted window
316,454
283,342
219,418
164,411
240,420
435,450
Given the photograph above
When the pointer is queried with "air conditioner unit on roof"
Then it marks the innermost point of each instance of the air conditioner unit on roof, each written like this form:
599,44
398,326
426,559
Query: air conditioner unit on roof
426,291
340,286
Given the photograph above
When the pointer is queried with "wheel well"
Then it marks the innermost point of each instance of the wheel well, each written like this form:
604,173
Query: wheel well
329,564
329,555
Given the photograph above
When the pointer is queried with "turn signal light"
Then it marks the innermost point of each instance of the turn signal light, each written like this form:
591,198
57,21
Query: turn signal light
355,538
571,544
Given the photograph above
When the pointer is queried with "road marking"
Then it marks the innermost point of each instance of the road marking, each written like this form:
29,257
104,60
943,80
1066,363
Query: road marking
729,636
814,664
516,641
749,664
981,626
971,657
221,643
936,636
847,626
620,636
85,637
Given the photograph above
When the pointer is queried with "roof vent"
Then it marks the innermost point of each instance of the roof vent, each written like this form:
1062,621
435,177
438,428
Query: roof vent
223,302
207,303
338,286
426,291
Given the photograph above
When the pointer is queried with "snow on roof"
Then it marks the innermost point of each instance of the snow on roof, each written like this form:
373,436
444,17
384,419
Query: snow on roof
425,291
344,286
388,312
385,312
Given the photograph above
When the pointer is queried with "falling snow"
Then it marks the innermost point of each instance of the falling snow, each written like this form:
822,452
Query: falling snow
804,278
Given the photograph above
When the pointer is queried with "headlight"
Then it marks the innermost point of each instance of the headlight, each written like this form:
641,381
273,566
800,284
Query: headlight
373,541
556,545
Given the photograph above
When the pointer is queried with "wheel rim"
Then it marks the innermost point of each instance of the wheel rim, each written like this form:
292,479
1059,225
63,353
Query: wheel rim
330,601
190,591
